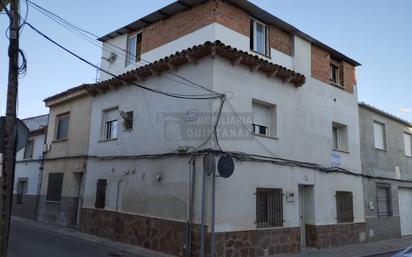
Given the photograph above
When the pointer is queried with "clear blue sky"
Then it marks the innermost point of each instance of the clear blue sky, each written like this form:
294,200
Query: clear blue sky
377,33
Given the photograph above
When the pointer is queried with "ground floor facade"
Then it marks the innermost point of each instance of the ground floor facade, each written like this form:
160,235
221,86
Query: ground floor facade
388,208
262,209
61,190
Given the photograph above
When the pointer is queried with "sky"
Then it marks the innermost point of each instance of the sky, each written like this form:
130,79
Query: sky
376,33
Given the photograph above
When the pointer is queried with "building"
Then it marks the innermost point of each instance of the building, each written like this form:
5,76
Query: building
292,129
65,156
386,147
29,167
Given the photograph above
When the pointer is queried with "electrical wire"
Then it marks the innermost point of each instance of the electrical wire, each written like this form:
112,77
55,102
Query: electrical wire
91,37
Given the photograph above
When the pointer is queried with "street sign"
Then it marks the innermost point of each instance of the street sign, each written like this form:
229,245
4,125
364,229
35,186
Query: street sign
22,134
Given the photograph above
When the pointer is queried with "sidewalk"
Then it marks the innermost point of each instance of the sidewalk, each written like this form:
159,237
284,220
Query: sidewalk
73,233
360,250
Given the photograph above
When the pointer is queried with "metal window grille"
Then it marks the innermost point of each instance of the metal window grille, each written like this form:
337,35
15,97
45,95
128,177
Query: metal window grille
28,150
269,207
54,187
344,206
101,194
383,200
128,120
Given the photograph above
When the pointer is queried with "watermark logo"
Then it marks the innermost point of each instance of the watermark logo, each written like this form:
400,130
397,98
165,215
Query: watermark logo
193,125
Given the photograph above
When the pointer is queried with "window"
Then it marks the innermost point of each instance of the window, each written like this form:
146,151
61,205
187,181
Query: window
339,137
407,139
54,187
269,207
259,37
344,207
383,199
127,120
28,150
335,74
62,126
101,194
264,119
110,124
379,132
134,48
21,189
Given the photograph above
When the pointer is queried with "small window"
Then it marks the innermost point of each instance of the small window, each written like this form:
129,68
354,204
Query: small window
110,124
101,194
344,207
28,150
54,187
21,189
339,137
127,120
269,207
264,119
259,37
134,49
383,199
379,131
62,126
407,139
335,74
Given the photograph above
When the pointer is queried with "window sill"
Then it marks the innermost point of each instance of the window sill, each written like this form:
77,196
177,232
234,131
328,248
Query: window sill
264,136
341,150
107,140
337,85
52,202
382,150
259,53
60,140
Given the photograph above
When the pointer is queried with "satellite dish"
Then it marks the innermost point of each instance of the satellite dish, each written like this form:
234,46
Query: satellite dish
209,164
226,166
22,133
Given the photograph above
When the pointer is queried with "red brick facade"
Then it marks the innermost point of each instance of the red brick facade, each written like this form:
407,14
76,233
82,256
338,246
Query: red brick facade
218,11
320,63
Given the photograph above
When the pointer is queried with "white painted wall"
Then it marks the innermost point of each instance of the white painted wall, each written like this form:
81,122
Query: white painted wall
211,33
30,169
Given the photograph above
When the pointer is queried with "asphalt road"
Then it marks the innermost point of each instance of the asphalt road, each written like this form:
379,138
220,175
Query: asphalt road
29,241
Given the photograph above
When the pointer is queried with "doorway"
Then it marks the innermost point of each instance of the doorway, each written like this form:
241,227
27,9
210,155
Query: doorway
306,212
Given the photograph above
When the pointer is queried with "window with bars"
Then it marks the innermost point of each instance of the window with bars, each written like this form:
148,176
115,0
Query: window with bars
269,207
383,200
101,194
28,150
344,207
54,187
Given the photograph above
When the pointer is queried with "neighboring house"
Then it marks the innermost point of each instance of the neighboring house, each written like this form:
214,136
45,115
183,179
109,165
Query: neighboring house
29,167
386,154
296,181
65,157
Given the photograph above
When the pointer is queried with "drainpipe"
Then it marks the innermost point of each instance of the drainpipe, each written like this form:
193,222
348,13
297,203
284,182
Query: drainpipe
212,220
202,217
191,186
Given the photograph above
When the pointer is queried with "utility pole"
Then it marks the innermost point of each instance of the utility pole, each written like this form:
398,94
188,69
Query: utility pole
9,128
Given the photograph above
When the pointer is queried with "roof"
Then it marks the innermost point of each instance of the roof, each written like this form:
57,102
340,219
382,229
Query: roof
386,114
247,6
67,92
37,122
190,55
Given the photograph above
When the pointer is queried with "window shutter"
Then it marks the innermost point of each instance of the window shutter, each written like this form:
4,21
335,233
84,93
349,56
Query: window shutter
261,115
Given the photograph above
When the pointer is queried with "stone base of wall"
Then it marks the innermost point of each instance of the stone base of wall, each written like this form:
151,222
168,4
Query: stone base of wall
257,243
25,209
383,228
328,236
171,236
63,213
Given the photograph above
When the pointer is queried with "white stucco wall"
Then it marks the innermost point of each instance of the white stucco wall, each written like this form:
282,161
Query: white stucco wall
212,32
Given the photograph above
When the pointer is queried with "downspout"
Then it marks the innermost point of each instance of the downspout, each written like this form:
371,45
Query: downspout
41,169
191,186
203,216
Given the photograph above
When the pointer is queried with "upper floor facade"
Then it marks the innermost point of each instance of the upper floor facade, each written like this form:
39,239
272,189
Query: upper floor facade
386,144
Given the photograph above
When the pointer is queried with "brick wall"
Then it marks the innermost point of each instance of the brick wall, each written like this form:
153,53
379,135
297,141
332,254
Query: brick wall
320,63
218,11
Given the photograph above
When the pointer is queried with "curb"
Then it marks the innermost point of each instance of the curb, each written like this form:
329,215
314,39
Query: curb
73,233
